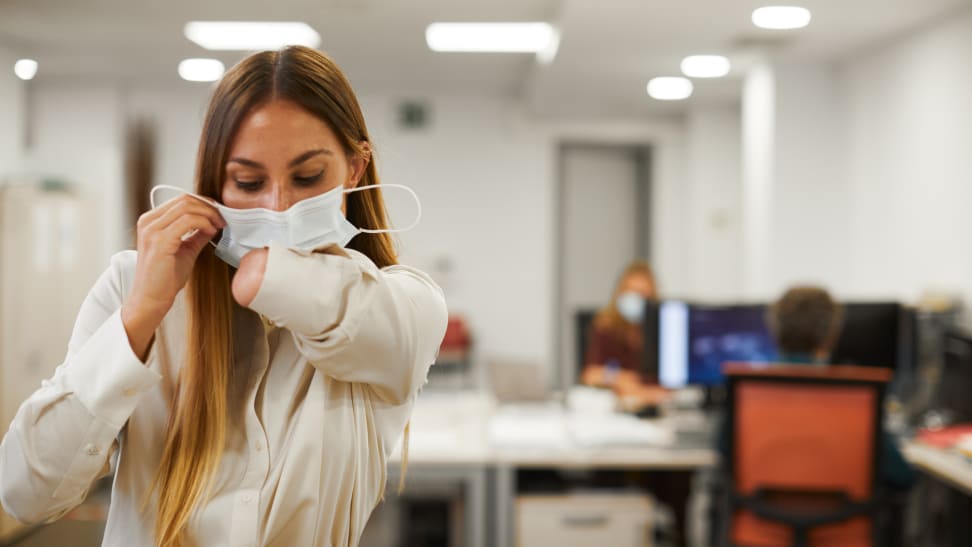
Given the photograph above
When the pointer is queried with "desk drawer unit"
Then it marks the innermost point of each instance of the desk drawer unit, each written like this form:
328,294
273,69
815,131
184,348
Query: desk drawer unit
582,520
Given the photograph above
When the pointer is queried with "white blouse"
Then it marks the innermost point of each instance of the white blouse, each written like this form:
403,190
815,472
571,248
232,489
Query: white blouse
322,397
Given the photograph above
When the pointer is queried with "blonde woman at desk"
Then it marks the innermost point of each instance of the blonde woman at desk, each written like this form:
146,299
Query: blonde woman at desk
248,393
615,341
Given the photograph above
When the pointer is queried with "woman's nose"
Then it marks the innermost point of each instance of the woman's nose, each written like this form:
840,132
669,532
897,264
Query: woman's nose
279,199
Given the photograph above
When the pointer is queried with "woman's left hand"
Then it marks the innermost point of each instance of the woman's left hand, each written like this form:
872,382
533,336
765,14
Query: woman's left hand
249,276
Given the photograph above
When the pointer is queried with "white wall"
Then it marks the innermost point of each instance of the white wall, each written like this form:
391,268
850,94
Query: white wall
176,112
910,170
757,188
810,202
11,115
484,175
77,139
714,268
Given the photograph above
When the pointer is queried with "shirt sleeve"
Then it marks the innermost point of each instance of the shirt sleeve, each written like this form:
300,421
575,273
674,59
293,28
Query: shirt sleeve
595,346
354,321
64,435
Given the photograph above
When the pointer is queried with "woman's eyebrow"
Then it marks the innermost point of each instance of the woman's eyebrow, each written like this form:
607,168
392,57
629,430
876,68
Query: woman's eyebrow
308,155
293,163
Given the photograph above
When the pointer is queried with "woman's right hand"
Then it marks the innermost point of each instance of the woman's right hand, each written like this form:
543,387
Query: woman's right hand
165,260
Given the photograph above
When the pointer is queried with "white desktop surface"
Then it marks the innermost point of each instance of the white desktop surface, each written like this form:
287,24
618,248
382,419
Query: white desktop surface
472,429
947,465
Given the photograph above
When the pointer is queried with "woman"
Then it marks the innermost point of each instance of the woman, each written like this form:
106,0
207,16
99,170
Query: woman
615,343
249,406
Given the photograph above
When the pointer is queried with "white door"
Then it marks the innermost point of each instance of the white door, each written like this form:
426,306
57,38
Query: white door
602,227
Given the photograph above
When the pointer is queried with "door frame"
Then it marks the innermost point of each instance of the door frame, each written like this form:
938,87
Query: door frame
564,372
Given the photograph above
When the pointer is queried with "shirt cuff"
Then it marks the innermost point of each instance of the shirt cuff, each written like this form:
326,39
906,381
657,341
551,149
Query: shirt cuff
107,376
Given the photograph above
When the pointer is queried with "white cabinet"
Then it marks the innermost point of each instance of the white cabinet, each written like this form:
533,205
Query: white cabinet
46,269
584,520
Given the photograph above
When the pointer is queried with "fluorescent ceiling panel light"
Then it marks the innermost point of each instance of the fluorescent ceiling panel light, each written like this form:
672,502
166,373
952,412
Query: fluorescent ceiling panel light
549,53
250,35
781,17
25,69
491,37
670,88
705,66
201,70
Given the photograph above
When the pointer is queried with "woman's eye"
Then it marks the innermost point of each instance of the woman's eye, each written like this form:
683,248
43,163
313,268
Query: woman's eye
249,185
309,180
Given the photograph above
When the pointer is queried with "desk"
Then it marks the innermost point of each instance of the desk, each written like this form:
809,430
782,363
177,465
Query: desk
945,465
955,471
450,437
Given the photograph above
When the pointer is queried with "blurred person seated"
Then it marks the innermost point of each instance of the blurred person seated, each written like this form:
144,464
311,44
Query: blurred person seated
806,323
615,342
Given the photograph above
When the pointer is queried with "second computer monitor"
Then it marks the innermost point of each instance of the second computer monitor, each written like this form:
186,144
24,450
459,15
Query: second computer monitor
695,340
870,335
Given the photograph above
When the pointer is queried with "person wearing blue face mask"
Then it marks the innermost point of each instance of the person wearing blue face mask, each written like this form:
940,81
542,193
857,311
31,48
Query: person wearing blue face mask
615,341
248,371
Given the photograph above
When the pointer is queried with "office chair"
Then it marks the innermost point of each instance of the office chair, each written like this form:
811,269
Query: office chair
804,455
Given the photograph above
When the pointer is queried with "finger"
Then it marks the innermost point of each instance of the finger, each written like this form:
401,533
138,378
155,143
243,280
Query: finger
186,206
197,242
174,235
190,205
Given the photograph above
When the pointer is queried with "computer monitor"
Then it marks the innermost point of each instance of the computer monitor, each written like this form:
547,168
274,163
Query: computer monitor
952,393
584,318
871,335
695,340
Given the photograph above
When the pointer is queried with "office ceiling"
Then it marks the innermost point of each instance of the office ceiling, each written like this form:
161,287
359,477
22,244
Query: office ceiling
609,48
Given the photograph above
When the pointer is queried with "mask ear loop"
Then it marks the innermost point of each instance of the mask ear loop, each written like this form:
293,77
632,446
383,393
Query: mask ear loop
179,190
418,204
166,187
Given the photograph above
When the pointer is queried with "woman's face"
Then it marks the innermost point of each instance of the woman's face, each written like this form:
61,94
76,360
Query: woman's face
640,284
282,154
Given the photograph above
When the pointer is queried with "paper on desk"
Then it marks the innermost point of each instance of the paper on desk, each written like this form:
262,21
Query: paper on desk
618,430
542,430
560,430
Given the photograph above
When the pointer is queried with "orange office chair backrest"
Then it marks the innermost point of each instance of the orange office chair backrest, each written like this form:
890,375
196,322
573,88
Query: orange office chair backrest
804,454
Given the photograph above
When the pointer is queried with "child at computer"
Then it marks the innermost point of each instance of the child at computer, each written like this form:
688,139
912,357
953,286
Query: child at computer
806,323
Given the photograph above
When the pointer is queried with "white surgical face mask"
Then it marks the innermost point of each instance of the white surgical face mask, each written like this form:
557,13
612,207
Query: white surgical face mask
631,306
308,224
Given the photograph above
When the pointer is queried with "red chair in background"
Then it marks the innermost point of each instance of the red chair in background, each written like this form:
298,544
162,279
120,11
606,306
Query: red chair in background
804,454
455,352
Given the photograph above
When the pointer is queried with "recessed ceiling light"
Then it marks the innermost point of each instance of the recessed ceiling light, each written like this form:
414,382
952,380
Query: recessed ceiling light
781,17
25,69
201,70
670,88
705,66
250,35
491,37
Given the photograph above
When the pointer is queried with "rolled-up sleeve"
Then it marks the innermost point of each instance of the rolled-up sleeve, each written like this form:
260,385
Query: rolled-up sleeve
64,435
354,321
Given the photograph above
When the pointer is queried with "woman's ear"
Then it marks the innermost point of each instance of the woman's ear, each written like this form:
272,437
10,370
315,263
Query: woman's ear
359,163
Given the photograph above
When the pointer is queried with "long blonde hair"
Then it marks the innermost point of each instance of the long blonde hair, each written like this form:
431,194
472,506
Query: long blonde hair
197,425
